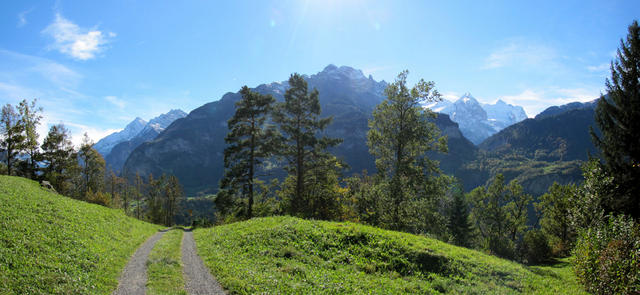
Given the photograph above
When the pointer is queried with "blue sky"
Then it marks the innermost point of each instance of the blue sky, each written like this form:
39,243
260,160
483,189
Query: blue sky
96,65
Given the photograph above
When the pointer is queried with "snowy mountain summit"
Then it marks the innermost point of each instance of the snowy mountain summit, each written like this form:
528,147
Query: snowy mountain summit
137,128
479,121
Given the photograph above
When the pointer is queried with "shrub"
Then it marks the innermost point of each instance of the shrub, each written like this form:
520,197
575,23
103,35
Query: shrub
607,258
535,247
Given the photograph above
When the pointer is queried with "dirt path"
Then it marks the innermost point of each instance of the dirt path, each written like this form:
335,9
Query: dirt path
198,279
133,279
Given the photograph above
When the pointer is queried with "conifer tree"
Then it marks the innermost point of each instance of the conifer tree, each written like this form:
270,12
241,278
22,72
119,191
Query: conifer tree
300,124
250,141
59,158
12,132
617,116
92,165
459,224
400,134
30,118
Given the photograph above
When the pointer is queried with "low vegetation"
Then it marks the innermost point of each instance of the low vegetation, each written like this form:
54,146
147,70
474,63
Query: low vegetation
287,255
164,267
51,244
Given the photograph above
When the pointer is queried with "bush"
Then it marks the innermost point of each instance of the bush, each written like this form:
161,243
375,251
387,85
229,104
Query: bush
607,258
535,247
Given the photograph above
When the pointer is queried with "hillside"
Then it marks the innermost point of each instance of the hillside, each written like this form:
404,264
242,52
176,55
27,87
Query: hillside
51,244
192,148
286,255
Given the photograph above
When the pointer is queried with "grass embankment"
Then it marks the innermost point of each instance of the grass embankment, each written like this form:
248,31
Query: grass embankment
285,255
164,267
51,244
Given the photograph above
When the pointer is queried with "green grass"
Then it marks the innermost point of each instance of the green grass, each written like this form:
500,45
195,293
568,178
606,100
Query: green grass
285,255
51,244
164,267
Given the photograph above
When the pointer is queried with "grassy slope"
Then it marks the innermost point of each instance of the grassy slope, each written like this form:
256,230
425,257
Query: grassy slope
51,244
285,255
164,267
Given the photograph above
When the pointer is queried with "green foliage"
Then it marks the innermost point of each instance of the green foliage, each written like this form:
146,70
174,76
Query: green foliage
617,117
286,255
301,146
499,215
92,168
50,244
30,118
400,134
59,159
555,208
535,247
164,267
459,225
607,257
588,208
11,132
250,140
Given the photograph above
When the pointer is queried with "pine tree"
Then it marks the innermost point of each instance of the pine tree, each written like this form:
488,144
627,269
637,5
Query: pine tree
302,147
59,158
617,118
30,117
12,132
250,141
92,165
459,225
400,134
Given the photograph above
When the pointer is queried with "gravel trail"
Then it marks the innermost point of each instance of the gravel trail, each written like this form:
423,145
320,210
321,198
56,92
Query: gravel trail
198,279
133,279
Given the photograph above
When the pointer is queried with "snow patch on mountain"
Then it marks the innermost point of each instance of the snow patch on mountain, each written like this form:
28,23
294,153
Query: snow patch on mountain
479,121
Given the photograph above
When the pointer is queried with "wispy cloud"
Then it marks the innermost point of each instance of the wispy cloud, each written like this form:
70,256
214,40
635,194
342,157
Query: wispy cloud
77,42
22,17
521,54
115,101
535,101
599,68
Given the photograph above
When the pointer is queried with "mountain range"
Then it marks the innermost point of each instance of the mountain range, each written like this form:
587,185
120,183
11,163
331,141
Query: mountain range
117,147
479,121
536,151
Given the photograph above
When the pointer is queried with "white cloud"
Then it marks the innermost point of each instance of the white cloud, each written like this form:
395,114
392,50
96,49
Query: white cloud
22,17
599,68
520,53
77,42
78,131
451,96
115,101
536,101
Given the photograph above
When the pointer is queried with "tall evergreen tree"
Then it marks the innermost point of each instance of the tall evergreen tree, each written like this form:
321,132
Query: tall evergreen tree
12,132
250,141
59,158
93,167
30,116
299,120
459,224
400,134
617,117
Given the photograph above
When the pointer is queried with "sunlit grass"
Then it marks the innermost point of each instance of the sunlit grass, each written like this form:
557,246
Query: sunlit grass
51,244
285,255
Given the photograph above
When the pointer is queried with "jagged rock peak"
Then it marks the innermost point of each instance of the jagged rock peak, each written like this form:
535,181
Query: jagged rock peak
341,72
